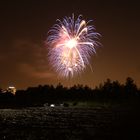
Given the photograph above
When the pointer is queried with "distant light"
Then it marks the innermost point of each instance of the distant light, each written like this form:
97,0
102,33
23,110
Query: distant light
3,91
11,89
52,105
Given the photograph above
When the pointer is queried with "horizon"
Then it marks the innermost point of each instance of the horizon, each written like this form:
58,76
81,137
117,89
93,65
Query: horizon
72,85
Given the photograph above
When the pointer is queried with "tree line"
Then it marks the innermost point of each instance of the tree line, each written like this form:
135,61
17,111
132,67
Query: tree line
37,96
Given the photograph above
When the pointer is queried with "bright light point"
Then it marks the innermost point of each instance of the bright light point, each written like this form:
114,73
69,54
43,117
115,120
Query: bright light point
11,89
70,69
52,105
71,43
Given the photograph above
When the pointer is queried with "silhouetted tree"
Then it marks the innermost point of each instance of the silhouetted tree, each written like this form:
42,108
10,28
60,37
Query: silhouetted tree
130,87
37,96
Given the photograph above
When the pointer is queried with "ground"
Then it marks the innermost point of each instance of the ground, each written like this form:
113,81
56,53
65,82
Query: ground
69,123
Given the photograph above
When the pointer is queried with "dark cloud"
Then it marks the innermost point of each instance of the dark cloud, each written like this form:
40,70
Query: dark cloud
24,59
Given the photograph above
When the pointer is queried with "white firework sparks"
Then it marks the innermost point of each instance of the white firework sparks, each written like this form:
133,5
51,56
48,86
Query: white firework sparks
71,44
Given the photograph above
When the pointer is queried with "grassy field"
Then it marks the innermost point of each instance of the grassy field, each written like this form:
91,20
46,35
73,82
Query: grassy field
71,123
54,123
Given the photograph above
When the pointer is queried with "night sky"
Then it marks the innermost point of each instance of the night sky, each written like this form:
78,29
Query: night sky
23,30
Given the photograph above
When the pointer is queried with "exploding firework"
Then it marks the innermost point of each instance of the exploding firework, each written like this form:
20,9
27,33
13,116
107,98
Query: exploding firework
71,44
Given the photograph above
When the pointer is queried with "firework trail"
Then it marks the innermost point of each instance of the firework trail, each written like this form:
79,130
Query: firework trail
71,44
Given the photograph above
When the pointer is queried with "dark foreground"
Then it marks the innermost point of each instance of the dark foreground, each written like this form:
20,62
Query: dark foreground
69,124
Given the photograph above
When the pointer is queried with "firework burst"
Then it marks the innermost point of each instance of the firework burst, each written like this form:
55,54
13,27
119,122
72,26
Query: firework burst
71,44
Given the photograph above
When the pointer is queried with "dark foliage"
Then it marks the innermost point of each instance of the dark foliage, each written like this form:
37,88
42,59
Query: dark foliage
37,96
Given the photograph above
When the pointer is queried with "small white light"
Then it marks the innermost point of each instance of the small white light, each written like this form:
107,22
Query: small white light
70,69
52,105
